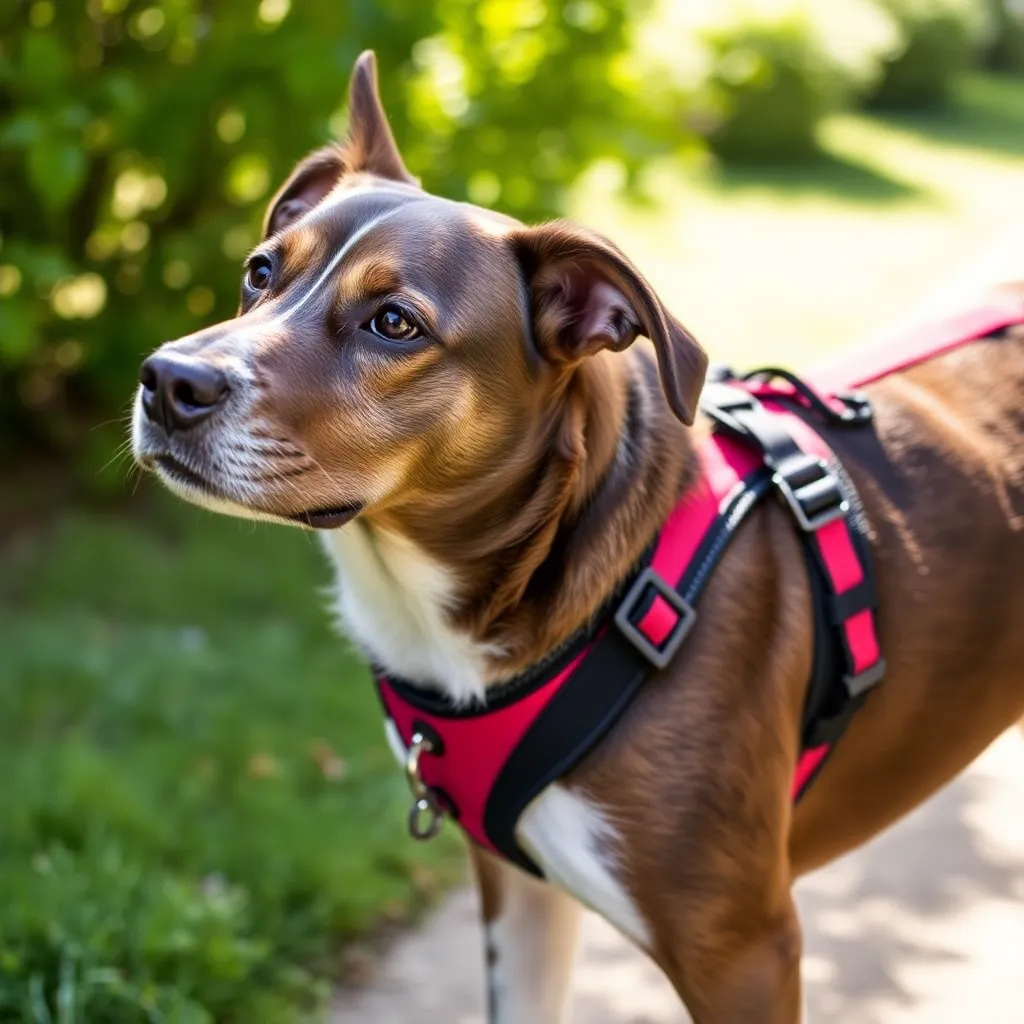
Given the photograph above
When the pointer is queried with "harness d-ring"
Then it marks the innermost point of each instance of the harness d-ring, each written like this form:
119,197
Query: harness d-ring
426,814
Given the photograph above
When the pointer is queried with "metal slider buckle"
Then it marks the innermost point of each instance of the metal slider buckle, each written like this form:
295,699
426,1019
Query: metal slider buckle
861,682
857,408
805,482
658,655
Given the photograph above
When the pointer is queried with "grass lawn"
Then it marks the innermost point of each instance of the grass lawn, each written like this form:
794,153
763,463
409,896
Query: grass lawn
198,808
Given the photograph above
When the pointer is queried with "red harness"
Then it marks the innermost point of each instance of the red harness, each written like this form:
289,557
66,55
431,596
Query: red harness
484,764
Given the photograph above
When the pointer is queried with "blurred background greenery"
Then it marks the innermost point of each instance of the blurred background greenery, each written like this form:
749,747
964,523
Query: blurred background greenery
199,820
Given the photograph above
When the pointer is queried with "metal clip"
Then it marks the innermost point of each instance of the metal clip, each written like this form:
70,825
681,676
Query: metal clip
425,819
426,814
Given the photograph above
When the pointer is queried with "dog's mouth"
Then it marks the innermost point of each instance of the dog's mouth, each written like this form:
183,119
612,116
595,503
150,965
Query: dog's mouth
183,474
328,518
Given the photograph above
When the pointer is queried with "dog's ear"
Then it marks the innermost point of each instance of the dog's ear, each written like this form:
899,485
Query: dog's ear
369,147
311,180
585,296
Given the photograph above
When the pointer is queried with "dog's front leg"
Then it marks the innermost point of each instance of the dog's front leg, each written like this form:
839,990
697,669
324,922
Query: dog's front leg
531,932
746,971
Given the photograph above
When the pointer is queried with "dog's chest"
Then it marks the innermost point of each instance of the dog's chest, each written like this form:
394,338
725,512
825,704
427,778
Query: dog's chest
393,601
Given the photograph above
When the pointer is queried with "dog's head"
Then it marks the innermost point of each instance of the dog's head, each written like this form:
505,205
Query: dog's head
389,343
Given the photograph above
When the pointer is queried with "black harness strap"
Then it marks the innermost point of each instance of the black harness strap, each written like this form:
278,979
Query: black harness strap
815,492
603,685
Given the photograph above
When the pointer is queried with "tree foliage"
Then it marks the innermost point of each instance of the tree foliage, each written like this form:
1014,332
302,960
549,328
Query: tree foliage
940,40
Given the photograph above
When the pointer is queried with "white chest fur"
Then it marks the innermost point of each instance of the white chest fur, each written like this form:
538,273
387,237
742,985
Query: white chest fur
576,846
393,601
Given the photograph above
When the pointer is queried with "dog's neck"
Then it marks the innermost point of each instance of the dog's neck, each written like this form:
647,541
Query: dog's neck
492,578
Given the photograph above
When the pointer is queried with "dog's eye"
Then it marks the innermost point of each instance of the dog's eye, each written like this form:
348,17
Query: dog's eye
393,324
258,273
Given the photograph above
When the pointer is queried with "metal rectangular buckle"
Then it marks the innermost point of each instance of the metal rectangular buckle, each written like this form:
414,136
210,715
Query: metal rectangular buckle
814,522
659,656
864,681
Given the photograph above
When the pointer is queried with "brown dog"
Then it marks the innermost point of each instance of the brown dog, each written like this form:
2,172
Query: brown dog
454,387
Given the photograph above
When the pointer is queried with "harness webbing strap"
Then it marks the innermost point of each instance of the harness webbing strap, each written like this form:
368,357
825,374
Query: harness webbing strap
857,367
498,758
519,747
823,503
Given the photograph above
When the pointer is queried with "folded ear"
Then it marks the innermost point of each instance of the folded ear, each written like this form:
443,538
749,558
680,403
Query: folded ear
369,147
585,296
311,180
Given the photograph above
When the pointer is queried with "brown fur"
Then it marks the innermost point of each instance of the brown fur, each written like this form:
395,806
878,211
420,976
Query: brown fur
528,452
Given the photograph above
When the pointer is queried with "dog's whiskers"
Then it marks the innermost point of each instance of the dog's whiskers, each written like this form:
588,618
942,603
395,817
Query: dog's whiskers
121,452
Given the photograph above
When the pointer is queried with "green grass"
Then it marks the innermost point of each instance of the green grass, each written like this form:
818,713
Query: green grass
197,807
197,803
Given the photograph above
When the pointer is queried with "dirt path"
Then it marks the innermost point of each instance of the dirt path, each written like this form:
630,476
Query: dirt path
923,926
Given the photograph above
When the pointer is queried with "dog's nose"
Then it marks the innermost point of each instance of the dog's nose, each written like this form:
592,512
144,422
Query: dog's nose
178,394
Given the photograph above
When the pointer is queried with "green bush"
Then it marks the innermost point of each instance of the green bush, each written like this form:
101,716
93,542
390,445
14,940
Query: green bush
769,90
140,140
770,76
1006,52
941,40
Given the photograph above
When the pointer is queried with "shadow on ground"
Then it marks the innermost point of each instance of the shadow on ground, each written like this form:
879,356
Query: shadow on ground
898,905
987,115
830,175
